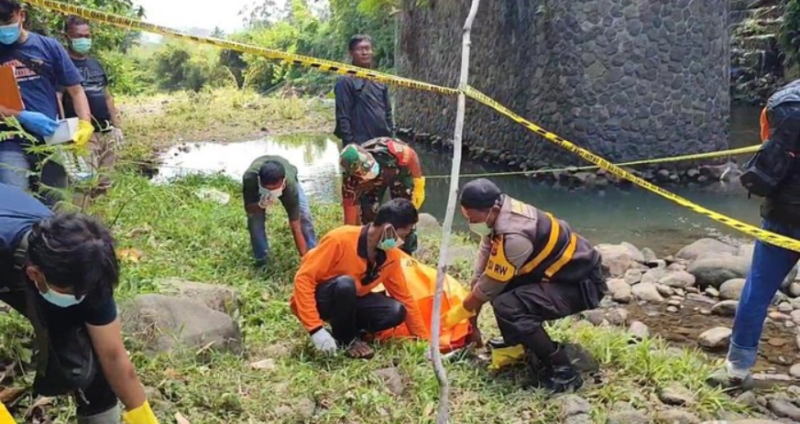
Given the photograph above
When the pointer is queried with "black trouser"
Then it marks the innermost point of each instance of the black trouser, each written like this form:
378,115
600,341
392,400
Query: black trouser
350,314
523,308
97,396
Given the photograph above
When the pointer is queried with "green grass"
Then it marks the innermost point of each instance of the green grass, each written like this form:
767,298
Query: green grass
183,236
223,114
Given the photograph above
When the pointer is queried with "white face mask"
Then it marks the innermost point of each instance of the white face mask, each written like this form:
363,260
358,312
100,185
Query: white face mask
270,197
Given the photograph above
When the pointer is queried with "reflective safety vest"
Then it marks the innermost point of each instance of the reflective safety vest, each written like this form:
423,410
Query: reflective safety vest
558,252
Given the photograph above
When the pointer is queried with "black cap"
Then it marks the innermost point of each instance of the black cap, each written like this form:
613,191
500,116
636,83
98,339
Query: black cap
480,194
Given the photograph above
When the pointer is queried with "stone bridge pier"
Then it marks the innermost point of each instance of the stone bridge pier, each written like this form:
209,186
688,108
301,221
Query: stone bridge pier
627,79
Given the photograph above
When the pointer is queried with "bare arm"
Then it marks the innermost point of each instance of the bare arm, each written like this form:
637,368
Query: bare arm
80,102
60,97
116,365
299,240
116,120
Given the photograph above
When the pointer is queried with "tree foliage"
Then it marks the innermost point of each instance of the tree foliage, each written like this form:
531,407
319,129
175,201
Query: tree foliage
105,37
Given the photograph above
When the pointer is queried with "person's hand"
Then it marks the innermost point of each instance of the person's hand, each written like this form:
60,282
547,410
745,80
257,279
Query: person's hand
84,133
253,208
140,415
475,337
418,194
324,342
118,137
38,123
454,316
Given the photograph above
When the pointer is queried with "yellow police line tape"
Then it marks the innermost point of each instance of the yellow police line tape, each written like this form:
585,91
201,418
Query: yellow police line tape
330,66
766,236
696,156
295,59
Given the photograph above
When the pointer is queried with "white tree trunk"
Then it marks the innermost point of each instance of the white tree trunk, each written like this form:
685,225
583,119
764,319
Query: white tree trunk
443,414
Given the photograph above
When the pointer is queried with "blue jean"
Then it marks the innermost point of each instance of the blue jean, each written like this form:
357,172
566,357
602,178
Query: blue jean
15,167
256,224
771,264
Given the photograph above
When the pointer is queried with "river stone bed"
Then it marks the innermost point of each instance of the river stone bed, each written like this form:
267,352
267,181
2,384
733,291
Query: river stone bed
690,299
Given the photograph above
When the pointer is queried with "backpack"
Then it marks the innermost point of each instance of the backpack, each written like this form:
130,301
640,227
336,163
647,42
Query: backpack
768,167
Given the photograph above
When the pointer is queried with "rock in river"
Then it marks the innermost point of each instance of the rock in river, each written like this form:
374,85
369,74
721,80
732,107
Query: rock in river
678,279
715,338
783,408
715,270
648,292
620,290
731,289
705,246
726,308
676,416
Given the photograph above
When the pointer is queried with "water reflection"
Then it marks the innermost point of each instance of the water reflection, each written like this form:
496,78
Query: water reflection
609,216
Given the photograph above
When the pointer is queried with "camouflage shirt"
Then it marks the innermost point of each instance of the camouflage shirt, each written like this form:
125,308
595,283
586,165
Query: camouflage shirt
399,166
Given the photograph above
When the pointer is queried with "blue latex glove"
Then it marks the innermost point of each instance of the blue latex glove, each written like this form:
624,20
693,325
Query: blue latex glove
38,123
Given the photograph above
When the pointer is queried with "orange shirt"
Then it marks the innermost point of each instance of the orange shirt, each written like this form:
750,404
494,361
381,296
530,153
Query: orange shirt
338,254
764,125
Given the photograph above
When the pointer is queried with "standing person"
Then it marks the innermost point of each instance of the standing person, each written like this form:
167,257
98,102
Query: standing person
376,166
774,174
60,271
269,179
41,66
533,268
105,116
363,109
335,283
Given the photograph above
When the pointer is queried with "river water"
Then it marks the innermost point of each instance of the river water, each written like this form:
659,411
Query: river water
609,216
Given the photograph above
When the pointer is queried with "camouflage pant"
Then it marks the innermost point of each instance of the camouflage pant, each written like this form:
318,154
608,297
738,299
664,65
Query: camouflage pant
371,201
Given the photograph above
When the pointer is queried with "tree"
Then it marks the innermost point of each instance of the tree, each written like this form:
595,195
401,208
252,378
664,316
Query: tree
105,37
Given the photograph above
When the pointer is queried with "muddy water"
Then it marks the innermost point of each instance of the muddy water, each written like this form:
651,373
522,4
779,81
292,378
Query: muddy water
778,352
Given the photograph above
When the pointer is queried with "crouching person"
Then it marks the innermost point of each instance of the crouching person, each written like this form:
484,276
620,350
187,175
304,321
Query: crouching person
59,271
533,268
336,279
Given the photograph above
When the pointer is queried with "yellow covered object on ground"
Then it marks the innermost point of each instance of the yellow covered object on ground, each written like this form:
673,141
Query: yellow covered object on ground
5,416
421,281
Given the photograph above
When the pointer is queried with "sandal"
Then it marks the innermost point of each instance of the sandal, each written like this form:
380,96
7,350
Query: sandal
360,350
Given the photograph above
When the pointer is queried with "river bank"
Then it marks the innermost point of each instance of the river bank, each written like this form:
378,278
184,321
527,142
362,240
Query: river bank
255,363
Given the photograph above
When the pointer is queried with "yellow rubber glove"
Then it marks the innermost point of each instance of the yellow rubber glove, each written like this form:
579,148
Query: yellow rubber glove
5,416
84,133
504,356
455,315
418,195
140,415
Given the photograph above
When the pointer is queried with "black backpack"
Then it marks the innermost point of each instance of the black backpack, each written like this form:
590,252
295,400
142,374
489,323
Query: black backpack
768,167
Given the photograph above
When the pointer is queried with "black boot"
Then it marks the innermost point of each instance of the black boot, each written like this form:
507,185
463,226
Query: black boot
555,374
561,379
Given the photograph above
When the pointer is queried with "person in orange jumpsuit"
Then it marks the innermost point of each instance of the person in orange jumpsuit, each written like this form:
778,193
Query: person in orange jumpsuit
336,279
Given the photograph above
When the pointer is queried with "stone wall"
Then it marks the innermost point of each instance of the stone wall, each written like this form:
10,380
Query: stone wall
626,79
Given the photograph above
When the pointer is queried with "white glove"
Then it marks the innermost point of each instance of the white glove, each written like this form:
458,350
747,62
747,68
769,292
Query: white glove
323,341
119,139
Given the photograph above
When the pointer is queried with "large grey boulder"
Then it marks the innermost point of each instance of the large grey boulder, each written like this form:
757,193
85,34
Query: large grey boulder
620,257
715,270
219,298
703,247
165,323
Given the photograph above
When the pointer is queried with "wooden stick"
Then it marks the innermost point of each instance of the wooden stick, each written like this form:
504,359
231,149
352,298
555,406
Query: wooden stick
443,414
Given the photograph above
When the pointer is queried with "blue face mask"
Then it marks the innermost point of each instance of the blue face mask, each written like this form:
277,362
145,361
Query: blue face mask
81,45
389,242
9,34
60,299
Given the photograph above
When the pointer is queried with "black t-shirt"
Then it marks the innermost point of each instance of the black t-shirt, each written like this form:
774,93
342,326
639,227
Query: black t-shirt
18,212
94,84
